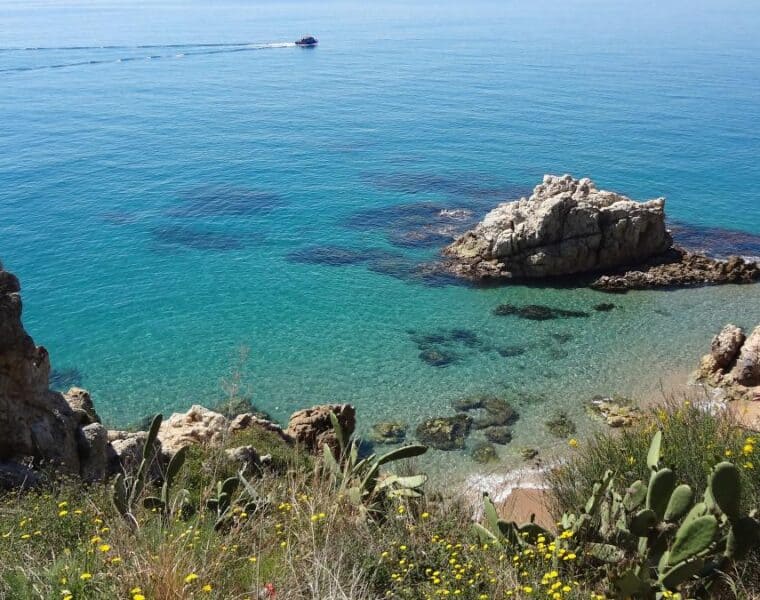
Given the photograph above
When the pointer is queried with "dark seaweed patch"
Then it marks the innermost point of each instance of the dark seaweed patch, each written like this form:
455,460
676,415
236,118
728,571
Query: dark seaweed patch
561,337
472,185
511,351
437,357
178,236
224,201
537,312
65,378
333,256
715,241
604,307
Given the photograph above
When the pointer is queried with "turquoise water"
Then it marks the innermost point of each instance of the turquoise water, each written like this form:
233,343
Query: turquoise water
162,192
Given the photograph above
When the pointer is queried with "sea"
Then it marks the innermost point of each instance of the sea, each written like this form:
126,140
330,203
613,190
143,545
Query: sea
197,208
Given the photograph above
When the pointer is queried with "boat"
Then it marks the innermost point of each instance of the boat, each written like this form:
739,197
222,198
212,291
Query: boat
307,40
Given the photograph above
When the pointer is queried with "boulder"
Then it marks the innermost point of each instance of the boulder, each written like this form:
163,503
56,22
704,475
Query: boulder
126,448
312,428
445,433
388,432
93,452
198,425
499,434
245,458
566,226
484,452
725,346
81,403
746,371
733,364
37,424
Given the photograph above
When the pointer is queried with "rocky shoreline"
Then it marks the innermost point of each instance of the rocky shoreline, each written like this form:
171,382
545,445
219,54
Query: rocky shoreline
569,228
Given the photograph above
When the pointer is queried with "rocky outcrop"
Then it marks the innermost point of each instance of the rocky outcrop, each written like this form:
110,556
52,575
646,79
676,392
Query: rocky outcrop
733,363
567,226
312,428
445,433
679,268
39,426
200,425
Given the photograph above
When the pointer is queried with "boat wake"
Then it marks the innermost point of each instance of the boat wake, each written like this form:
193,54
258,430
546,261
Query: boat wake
202,50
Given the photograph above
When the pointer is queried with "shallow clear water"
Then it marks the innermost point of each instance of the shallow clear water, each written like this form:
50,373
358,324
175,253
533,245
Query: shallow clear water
156,201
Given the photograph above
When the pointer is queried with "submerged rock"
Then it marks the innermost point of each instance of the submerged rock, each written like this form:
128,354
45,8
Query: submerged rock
437,357
567,226
388,432
561,425
495,411
445,433
537,312
499,435
604,307
484,452
679,268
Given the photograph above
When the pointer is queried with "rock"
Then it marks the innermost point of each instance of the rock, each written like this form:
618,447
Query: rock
36,423
733,364
93,452
388,432
604,307
484,452
233,407
445,433
436,357
495,411
249,420
680,268
245,458
499,435
529,453
536,312
81,403
126,450
614,410
567,226
746,371
312,428
198,425
561,425
726,345
16,476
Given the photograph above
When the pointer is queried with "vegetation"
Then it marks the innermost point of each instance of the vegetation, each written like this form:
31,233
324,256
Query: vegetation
344,527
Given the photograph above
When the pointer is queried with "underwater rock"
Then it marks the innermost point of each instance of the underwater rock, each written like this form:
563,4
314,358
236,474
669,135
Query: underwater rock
537,312
466,337
604,307
444,433
224,201
181,236
529,453
495,411
679,268
458,185
567,226
561,337
561,425
484,452
499,435
437,358
510,351
388,432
